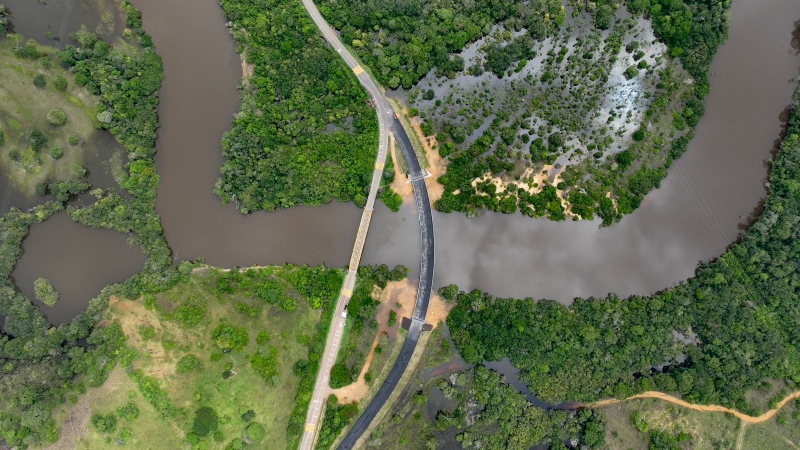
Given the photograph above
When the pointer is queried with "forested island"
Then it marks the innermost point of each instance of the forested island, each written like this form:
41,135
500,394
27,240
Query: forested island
555,112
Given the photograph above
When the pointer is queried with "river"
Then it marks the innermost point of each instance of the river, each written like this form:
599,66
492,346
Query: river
702,205
657,246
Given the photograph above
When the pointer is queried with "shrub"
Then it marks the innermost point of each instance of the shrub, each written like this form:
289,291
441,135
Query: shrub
340,376
249,415
254,433
73,140
205,421
392,318
37,140
187,364
265,362
45,292
39,81
289,304
189,314
262,338
147,332
631,72
624,159
638,135
104,423
56,152
2,138
128,412
458,134
228,337
41,189
60,83
56,117
392,199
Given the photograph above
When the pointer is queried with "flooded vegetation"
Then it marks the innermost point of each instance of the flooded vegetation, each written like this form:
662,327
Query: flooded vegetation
744,299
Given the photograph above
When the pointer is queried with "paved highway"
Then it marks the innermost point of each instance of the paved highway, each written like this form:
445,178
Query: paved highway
416,175
333,341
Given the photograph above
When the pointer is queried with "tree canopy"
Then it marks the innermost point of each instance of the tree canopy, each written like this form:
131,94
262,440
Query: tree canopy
306,133
710,339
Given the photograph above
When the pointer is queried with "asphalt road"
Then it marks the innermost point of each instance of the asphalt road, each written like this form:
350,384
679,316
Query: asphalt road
333,341
416,175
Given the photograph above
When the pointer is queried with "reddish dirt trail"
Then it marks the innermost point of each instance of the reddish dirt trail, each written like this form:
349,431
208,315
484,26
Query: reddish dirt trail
707,408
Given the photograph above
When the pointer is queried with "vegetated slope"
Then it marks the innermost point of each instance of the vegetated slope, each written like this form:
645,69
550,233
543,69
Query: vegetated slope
361,316
403,40
709,339
42,364
306,133
222,359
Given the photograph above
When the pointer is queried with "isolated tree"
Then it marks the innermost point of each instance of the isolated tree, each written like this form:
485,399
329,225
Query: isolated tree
37,140
39,81
56,117
60,83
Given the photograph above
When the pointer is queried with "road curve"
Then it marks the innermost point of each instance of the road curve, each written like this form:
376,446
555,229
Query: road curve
416,176
317,404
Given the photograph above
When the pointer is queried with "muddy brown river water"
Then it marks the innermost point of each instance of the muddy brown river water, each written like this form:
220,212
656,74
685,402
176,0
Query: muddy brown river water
702,205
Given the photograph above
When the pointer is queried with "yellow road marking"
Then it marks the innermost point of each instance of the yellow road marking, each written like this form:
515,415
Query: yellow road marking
310,427
358,70
347,292
379,166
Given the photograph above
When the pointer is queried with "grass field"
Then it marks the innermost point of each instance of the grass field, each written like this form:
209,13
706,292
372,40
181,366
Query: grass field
630,426
165,331
24,108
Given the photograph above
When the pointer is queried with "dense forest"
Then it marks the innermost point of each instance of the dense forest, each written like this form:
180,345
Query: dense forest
43,365
403,40
710,339
494,416
306,133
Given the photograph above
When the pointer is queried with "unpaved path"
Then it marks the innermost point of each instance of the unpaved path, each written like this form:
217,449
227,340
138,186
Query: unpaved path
707,408
404,293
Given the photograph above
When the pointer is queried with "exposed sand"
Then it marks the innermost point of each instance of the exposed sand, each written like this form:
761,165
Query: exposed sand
405,293
540,177
131,314
707,408
437,310
396,292
436,166
247,69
